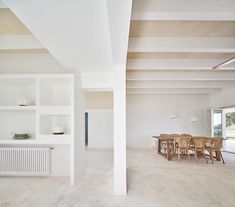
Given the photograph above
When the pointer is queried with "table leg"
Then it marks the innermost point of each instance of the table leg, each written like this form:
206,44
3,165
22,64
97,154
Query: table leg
159,146
168,151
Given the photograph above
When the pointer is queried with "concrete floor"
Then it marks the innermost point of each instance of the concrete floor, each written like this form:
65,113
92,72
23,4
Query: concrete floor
152,181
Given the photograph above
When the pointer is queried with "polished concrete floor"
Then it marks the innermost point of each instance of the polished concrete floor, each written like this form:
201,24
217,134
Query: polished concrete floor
152,182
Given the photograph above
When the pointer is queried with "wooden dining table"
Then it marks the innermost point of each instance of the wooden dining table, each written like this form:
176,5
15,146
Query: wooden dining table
168,141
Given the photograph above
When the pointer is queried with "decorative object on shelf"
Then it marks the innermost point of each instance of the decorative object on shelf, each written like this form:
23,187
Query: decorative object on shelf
57,130
23,102
21,136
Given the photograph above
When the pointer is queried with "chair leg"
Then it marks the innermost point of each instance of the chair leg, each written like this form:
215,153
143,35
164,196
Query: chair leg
221,157
212,158
203,154
179,152
206,158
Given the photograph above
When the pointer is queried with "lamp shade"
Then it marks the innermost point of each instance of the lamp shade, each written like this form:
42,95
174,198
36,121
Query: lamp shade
193,119
173,116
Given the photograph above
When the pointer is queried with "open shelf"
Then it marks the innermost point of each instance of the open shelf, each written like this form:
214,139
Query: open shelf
33,141
17,122
56,139
47,122
14,89
17,108
55,91
54,110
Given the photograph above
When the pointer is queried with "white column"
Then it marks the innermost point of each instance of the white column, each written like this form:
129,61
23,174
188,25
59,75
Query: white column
78,145
120,186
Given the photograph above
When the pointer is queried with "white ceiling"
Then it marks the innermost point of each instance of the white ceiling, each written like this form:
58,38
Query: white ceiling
89,36
183,10
174,44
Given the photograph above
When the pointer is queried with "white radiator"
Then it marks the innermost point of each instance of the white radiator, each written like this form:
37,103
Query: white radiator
25,161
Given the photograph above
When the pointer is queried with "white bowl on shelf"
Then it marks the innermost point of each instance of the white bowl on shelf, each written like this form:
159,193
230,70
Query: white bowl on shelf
23,102
56,130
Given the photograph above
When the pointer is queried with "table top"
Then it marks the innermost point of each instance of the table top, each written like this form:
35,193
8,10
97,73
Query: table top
163,138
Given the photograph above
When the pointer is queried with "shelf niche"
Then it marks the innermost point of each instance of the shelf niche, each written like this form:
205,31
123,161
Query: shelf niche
47,122
14,89
18,122
55,91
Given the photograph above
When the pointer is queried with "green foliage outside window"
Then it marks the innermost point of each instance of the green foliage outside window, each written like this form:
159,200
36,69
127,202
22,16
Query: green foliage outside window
230,119
230,125
218,130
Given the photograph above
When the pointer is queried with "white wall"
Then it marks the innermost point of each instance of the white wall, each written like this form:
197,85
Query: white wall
29,63
60,160
100,128
148,115
225,98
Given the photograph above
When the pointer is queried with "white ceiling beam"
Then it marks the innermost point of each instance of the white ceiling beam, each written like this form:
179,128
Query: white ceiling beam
176,64
152,91
97,81
180,84
180,75
184,9
150,44
76,33
192,16
19,42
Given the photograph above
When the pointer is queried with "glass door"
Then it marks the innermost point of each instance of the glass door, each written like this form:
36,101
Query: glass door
217,123
230,123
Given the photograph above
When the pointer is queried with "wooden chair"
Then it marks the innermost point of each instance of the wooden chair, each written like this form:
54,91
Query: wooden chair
186,135
199,147
164,144
215,149
181,146
172,145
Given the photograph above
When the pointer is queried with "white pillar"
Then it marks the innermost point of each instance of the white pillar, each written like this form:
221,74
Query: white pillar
120,186
78,145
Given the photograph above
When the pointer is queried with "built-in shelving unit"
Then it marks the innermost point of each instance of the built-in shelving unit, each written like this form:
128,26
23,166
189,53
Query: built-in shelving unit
35,104
49,103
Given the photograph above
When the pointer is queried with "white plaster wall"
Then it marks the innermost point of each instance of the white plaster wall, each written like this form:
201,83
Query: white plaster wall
29,63
60,160
148,115
225,98
100,128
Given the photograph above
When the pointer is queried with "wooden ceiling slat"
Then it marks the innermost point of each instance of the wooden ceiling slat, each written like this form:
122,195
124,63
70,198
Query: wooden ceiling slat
163,28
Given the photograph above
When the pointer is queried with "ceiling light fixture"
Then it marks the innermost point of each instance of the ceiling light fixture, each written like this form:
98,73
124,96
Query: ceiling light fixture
194,118
224,63
173,115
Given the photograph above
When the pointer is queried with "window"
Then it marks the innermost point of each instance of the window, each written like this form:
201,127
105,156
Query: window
217,123
230,124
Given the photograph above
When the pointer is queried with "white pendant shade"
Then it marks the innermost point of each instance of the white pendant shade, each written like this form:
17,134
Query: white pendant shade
172,116
194,119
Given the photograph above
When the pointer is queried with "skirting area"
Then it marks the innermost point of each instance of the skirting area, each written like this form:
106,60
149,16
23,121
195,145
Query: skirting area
152,181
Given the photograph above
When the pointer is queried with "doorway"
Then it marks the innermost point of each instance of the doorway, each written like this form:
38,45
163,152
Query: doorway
223,125
86,129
